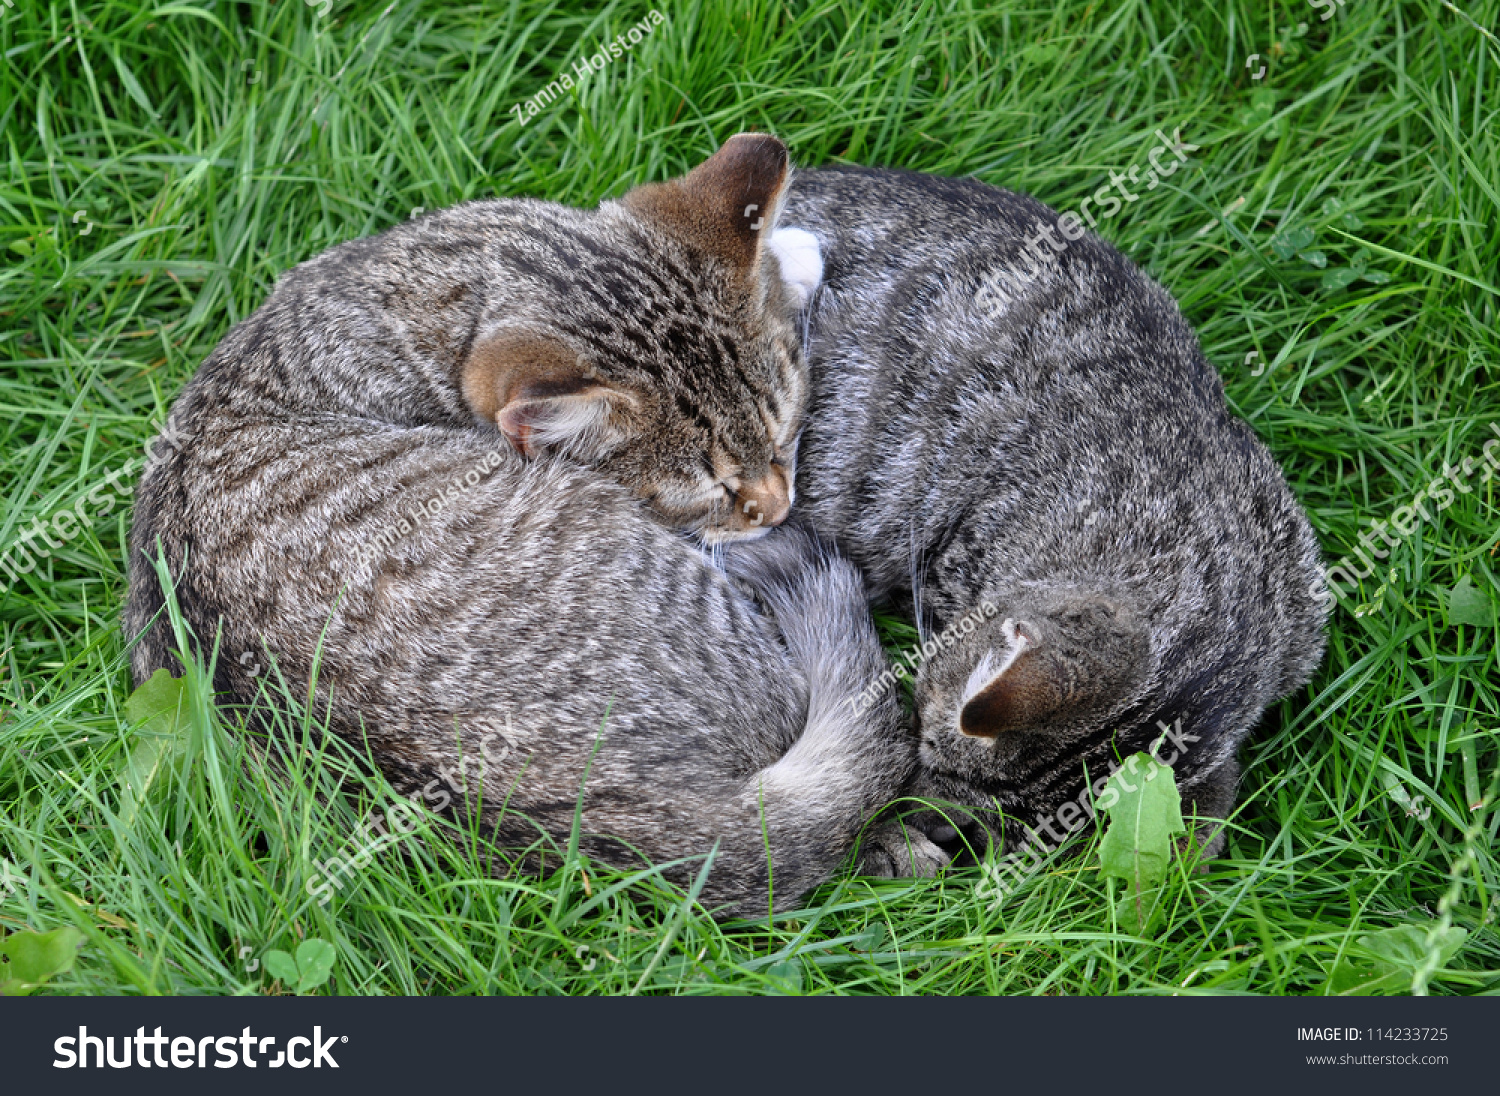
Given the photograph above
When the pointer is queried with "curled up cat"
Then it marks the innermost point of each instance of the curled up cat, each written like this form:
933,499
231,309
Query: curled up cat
1016,435
452,465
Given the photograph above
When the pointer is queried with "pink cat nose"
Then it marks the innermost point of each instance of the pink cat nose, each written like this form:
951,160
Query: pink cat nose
768,500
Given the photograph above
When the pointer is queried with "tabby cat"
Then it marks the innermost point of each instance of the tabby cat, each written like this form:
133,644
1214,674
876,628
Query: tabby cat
443,472
1040,436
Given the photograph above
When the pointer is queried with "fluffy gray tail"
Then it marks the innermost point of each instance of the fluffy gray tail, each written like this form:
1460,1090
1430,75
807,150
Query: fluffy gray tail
852,757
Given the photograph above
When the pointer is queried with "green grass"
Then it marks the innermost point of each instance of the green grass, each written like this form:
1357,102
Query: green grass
210,146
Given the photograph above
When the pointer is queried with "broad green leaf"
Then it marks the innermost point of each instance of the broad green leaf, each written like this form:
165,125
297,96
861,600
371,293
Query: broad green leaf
1289,241
158,712
1467,604
1145,813
282,967
1247,118
1387,961
1338,277
1332,207
33,957
1408,944
314,963
1040,53
1300,237
872,939
789,973
1317,258
160,696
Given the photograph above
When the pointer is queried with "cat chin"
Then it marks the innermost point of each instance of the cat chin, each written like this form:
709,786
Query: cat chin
712,538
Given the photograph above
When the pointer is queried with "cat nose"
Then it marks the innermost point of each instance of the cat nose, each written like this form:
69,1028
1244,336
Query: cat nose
768,500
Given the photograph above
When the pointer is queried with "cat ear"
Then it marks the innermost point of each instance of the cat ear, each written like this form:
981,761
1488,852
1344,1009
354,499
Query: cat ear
1074,659
1024,692
728,204
543,396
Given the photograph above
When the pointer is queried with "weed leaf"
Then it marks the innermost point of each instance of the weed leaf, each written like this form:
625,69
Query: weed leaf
30,958
1386,962
1467,604
1146,813
314,963
157,712
282,967
309,970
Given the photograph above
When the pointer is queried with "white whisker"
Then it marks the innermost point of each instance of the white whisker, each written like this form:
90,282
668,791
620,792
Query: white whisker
917,578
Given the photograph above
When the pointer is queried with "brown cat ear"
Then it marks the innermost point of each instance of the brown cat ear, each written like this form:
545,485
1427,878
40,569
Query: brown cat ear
542,395
726,205
1024,693
1073,659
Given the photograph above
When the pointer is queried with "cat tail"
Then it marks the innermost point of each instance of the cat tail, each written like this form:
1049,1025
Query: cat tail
856,749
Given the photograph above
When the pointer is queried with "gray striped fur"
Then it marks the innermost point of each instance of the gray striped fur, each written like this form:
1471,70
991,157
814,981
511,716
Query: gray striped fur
336,494
1067,455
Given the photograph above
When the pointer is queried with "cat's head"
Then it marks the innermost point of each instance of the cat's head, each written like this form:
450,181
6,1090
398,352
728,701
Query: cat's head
1021,681
655,339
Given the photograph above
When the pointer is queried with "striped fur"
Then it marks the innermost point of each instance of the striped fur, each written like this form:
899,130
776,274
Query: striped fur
1064,451
371,479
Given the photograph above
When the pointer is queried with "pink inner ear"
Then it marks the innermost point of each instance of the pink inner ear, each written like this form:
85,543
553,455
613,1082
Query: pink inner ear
541,399
515,423
580,417
532,424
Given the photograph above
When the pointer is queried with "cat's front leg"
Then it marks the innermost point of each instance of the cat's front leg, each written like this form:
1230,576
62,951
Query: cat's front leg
1209,798
896,850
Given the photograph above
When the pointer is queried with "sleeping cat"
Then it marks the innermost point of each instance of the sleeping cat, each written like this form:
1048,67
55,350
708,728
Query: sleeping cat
1040,436
443,472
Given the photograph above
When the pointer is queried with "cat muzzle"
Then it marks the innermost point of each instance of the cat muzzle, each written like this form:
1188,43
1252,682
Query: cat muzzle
766,502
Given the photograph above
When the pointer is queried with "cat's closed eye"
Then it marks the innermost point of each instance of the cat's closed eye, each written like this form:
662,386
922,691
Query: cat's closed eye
687,391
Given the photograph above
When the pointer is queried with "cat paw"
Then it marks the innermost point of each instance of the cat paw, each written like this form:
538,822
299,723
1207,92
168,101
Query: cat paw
801,261
897,852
